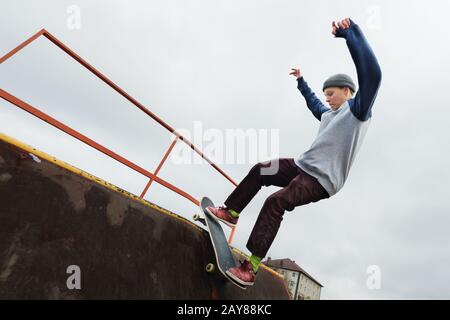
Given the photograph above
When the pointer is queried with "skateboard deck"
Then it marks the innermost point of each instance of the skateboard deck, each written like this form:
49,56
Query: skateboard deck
224,257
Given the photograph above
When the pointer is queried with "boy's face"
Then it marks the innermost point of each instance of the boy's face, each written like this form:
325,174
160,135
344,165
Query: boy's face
336,97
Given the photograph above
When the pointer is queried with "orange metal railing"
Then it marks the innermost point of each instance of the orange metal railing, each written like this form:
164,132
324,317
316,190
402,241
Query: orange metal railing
52,121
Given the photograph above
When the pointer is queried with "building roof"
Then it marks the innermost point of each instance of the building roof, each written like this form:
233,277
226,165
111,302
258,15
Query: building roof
288,264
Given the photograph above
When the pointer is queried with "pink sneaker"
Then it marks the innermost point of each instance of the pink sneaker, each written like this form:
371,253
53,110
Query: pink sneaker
243,275
221,213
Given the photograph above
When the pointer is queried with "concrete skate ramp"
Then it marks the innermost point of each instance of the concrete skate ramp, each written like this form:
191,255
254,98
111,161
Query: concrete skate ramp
53,215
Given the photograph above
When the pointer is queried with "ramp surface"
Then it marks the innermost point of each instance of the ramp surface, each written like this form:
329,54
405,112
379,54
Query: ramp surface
53,216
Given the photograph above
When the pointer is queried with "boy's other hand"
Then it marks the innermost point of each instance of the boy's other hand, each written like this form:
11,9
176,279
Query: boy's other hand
341,25
296,73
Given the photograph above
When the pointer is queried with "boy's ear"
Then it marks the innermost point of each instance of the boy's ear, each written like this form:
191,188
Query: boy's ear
348,90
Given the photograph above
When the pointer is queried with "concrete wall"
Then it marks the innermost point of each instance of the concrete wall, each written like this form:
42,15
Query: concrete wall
52,217
308,289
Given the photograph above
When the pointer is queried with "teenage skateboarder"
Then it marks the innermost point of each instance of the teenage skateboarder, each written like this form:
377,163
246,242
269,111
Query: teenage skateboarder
320,172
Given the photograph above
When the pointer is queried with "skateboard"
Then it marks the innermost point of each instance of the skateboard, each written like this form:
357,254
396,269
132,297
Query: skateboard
224,257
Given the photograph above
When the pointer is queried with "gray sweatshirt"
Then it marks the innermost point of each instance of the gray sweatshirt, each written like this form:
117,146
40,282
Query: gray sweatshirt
342,132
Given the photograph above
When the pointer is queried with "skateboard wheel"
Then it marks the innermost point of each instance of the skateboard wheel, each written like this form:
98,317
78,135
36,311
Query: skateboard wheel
210,267
196,217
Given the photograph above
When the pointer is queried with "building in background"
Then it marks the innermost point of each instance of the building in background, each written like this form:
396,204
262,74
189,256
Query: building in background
302,286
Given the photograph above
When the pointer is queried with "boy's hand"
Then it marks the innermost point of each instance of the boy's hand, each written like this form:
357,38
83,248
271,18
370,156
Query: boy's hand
340,27
296,73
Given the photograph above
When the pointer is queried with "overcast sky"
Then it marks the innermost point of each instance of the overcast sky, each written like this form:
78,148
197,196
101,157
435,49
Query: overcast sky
224,66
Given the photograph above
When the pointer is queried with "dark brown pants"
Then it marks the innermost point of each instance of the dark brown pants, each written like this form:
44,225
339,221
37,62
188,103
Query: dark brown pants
298,188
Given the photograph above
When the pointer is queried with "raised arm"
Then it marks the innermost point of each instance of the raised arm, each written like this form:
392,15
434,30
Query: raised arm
367,67
314,104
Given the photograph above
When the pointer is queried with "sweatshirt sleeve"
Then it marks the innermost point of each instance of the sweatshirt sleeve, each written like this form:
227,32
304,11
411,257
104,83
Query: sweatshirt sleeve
314,104
368,70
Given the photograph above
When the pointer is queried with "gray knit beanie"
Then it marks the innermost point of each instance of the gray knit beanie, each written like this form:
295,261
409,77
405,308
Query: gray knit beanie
339,80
